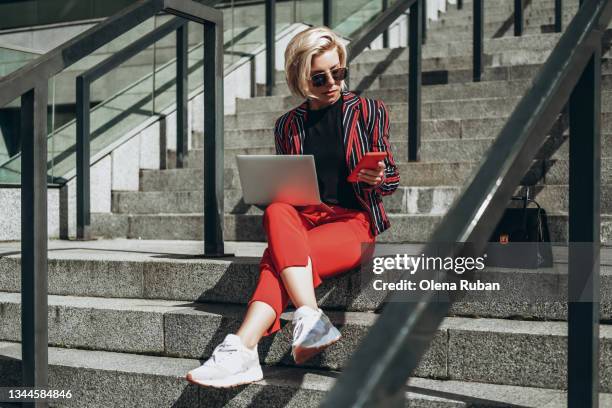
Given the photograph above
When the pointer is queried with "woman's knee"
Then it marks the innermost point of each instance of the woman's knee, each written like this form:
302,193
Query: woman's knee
277,209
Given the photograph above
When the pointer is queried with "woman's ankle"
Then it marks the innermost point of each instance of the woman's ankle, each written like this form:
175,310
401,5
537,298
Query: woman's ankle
247,342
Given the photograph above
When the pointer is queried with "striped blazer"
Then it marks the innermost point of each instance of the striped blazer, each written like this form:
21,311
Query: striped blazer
365,124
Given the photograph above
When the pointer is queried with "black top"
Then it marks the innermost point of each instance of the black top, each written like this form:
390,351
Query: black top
324,140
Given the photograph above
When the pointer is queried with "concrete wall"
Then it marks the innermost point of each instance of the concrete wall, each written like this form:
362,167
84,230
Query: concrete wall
10,208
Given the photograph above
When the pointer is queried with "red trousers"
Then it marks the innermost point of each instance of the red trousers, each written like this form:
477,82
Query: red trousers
332,240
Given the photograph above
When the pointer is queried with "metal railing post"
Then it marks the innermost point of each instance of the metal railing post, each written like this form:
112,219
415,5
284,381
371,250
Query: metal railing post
270,46
327,13
424,22
385,34
478,38
414,81
558,16
83,213
584,238
83,116
518,18
34,325
182,137
213,140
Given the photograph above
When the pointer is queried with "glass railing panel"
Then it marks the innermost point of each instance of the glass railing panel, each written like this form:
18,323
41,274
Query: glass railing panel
347,23
9,127
62,96
240,22
13,58
309,12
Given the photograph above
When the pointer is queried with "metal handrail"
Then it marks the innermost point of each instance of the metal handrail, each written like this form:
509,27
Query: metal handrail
365,36
30,83
83,87
377,372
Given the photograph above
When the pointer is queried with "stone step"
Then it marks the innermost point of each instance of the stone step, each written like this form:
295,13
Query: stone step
510,5
443,109
495,26
188,202
507,58
400,94
491,76
493,11
421,174
438,77
432,129
452,150
432,150
549,172
104,379
463,48
502,59
248,227
173,329
446,57
175,271
406,200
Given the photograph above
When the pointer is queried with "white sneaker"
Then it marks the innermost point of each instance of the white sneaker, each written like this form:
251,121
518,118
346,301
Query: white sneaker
312,333
231,364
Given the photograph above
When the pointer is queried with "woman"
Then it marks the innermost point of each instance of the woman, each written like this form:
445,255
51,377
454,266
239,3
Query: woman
312,243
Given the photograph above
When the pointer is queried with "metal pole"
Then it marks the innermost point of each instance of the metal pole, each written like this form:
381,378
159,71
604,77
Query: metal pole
459,4
270,45
385,34
34,326
327,13
83,159
182,137
424,20
518,18
584,238
478,38
558,16
414,81
213,139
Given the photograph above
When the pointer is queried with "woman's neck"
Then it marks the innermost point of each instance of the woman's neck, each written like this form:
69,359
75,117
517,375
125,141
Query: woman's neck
313,104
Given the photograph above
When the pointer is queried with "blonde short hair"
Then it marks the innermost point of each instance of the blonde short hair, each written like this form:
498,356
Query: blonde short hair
311,42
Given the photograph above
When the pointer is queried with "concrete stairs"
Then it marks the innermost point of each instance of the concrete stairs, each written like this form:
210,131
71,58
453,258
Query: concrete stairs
460,122
128,318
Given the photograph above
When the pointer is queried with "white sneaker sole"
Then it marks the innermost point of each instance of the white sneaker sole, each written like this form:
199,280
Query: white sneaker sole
247,377
303,354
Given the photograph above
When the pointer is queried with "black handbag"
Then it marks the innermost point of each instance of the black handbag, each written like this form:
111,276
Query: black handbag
521,239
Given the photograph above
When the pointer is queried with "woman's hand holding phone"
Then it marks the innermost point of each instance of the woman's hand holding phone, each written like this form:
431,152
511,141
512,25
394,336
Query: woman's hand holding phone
370,169
372,176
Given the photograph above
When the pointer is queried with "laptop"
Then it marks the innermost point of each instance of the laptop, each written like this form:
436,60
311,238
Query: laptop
291,179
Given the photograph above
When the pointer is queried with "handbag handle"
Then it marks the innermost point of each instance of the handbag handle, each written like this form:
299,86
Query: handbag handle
526,200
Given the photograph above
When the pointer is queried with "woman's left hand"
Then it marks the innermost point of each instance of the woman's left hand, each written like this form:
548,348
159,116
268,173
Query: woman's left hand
372,176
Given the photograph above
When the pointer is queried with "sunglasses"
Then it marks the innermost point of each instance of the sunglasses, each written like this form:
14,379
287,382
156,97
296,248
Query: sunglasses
320,79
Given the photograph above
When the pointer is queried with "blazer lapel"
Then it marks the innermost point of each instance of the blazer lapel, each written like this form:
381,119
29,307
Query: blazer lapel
350,117
300,120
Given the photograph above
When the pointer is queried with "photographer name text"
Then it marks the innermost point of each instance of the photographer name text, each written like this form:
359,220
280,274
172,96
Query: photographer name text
408,285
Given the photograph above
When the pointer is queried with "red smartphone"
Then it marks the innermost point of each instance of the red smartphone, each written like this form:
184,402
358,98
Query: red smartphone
369,161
